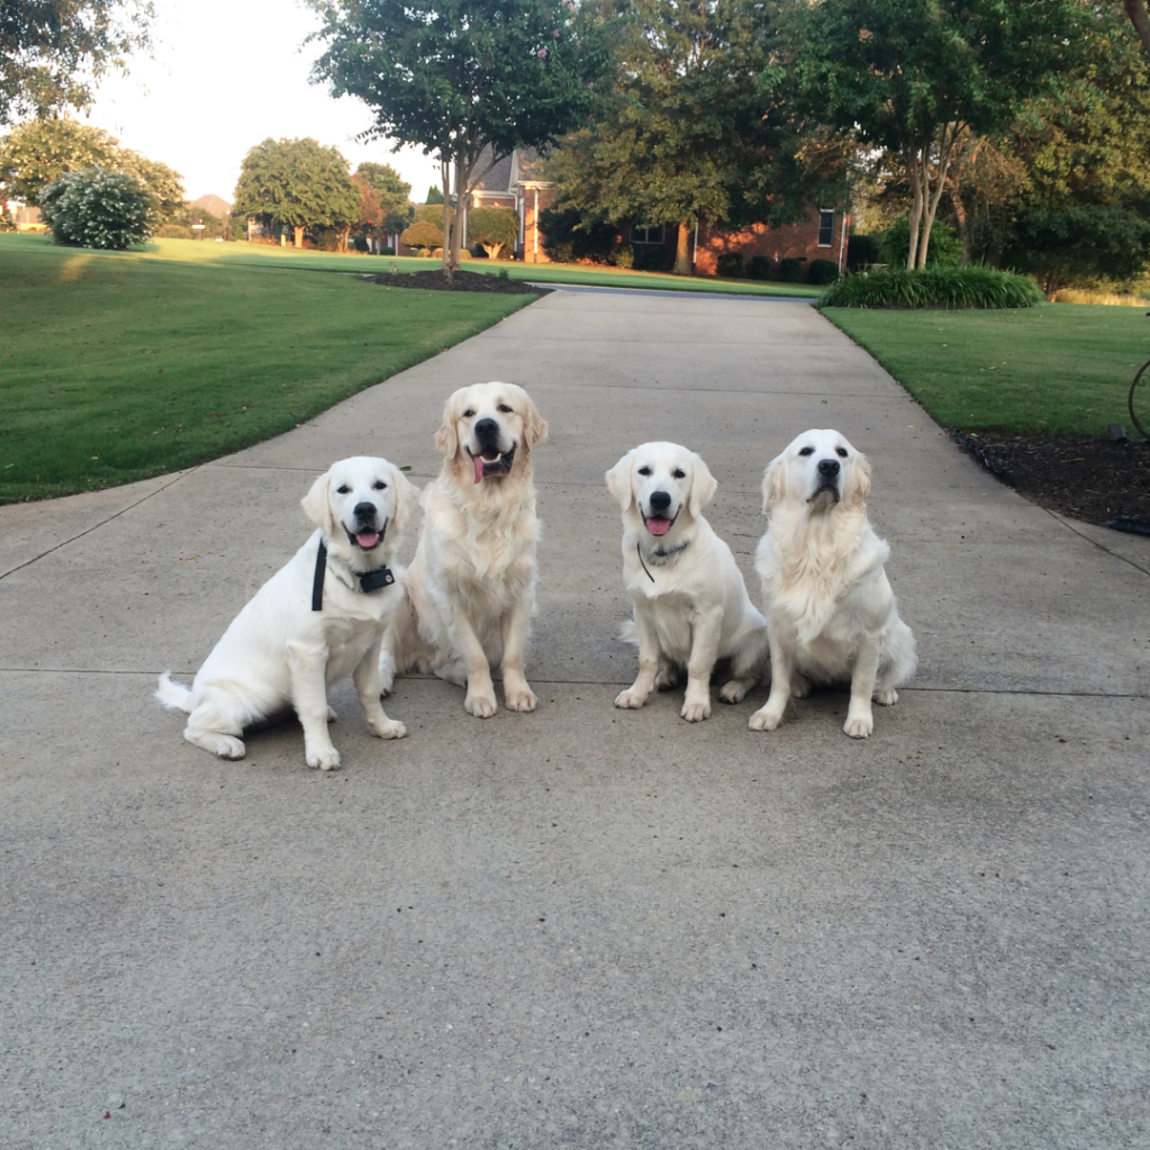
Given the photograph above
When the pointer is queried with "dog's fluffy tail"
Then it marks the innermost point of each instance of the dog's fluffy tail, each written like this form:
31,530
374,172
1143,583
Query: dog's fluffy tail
174,696
628,632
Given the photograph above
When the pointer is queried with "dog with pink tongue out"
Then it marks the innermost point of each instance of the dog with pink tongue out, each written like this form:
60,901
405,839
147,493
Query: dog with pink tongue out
470,589
691,608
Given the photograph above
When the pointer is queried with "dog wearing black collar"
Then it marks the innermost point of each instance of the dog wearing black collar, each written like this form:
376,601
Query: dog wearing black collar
691,608
318,620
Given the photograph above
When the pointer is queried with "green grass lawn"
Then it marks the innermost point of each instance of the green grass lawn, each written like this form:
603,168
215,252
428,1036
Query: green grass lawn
119,366
1057,369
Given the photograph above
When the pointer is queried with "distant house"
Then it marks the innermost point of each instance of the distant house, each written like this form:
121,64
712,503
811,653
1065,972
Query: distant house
27,219
214,206
515,183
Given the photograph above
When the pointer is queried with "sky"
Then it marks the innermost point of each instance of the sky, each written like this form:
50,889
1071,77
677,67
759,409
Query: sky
225,75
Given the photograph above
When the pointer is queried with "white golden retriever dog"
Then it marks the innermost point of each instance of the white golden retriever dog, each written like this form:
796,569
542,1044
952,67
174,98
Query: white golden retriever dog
471,585
319,619
691,604
830,609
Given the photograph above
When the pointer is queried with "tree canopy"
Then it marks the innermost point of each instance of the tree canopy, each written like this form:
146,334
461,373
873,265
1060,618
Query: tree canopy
52,51
493,229
392,193
463,78
910,76
298,184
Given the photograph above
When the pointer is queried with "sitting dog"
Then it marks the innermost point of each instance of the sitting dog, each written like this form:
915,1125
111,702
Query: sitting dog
471,585
319,619
691,607
830,609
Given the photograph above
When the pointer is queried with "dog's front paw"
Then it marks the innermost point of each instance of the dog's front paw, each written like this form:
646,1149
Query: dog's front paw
631,699
521,699
229,747
765,719
480,704
735,691
325,759
388,729
886,698
859,726
696,710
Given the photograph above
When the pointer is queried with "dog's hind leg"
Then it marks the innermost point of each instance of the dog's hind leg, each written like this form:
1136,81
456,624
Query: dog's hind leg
898,664
746,668
216,723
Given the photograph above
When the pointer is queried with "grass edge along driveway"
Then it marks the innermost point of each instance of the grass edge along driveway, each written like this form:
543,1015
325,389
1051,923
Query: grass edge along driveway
118,367
1055,369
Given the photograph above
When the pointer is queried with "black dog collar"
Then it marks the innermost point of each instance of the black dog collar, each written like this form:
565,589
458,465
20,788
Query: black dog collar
369,581
660,553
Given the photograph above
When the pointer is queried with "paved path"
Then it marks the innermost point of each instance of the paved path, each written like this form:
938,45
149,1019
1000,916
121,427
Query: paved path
583,928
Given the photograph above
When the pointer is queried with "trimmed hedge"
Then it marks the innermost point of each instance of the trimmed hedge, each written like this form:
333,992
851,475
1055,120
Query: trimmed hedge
969,287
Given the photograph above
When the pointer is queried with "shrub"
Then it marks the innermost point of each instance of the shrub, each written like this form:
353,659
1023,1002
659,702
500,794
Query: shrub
864,250
174,232
387,251
589,240
945,249
96,208
823,272
761,268
422,234
622,256
791,270
968,287
562,253
652,258
493,229
730,264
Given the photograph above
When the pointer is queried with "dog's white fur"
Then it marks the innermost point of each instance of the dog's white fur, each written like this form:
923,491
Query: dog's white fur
691,607
831,614
471,585
278,652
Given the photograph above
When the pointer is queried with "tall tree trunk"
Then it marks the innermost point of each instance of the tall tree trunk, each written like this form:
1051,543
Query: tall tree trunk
298,238
933,197
683,251
914,171
445,181
1139,13
965,226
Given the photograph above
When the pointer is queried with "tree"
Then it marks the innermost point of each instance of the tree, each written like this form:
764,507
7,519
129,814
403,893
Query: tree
422,234
95,208
694,130
37,152
911,76
392,193
462,78
493,229
296,184
53,51
434,195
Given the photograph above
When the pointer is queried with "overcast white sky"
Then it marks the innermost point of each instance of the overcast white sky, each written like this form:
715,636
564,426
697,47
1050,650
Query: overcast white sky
225,75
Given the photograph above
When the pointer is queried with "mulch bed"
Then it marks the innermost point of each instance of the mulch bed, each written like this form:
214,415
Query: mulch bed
1099,481
435,280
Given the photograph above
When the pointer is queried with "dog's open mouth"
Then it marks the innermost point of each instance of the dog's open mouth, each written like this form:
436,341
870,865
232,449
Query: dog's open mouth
491,462
658,524
365,540
828,489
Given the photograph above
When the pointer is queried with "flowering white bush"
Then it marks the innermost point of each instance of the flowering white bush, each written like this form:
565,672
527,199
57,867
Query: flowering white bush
96,208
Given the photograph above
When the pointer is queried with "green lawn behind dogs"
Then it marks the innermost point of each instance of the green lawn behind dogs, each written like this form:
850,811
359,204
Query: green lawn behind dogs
1057,369
116,367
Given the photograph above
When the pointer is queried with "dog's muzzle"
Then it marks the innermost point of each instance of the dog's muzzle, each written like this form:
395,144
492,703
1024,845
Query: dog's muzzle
489,460
367,534
829,478
657,521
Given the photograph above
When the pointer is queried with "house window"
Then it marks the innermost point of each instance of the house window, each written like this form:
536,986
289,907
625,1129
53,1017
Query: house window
646,235
826,227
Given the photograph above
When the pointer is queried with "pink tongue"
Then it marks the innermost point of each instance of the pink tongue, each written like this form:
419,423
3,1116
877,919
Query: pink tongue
366,541
658,526
478,461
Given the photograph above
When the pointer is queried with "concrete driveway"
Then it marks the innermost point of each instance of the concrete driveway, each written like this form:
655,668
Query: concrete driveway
582,927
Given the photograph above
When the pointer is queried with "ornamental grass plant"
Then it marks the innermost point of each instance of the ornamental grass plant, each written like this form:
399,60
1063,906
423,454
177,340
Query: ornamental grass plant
968,287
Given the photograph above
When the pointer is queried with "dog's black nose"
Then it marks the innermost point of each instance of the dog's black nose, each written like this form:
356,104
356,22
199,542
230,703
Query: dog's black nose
828,467
365,510
660,501
487,430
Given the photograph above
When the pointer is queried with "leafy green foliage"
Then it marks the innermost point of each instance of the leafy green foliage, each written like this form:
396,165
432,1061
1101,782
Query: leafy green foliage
823,272
298,184
967,287
493,229
945,246
458,77
422,234
95,208
51,51
392,193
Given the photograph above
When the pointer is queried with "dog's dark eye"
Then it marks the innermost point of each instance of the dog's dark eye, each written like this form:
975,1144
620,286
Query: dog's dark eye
468,413
343,489
644,471
807,451
679,473
841,452
378,485
504,407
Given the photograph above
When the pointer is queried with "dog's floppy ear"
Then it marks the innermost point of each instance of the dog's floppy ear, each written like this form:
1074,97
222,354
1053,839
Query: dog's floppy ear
619,481
447,437
317,504
703,486
774,483
406,498
860,480
534,425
